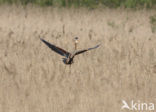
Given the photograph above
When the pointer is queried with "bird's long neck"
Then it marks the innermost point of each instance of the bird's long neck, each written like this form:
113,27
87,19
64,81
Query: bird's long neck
75,46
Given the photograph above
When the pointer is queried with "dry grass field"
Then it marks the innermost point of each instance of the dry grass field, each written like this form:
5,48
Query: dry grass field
34,79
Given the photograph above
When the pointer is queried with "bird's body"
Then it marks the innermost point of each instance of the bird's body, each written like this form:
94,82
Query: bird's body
68,57
68,60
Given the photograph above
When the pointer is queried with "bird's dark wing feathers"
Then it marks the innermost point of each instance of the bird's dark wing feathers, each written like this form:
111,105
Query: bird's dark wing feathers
56,49
82,51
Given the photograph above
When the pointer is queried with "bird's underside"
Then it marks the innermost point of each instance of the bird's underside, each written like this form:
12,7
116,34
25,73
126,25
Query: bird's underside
68,57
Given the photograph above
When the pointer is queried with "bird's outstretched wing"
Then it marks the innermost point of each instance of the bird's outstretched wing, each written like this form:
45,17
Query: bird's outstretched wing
56,49
82,51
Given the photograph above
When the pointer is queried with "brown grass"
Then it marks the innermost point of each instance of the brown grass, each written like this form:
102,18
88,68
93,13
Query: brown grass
34,79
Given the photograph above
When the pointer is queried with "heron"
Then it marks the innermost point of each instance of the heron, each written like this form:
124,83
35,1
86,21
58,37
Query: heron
68,57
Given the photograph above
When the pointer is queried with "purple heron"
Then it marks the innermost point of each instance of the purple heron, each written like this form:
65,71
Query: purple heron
68,57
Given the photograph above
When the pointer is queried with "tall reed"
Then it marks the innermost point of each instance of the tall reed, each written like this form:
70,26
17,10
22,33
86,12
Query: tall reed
87,3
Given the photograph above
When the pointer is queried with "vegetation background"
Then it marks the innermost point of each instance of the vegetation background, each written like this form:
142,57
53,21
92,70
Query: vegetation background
87,3
34,79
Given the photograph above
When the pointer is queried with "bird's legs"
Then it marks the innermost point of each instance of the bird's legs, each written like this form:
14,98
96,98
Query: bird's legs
65,69
69,69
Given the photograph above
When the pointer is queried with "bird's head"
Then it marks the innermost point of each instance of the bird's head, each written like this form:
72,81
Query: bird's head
76,39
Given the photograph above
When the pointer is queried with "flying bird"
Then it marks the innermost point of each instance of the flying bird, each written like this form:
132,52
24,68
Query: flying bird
68,57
